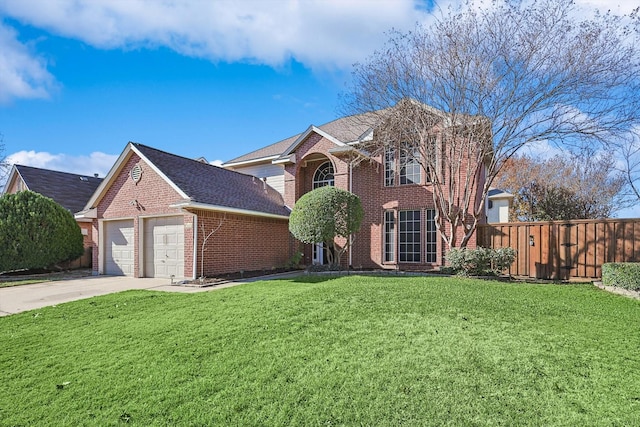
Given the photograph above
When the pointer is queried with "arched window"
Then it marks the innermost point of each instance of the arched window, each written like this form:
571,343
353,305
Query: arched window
323,175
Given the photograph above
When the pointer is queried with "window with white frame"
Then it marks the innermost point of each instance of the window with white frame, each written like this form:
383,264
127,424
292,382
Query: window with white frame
431,236
402,166
409,172
409,245
389,167
323,175
389,236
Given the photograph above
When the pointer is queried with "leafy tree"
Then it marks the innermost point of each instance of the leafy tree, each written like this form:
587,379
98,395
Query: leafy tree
482,83
324,214
36,232
579,186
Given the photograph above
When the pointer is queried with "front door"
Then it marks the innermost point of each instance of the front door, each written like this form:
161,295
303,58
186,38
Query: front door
318,254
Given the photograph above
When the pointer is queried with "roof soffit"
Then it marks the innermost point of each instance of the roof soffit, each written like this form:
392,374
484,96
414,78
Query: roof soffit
311,129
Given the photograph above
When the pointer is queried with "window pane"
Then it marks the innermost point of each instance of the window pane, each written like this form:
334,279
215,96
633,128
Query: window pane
389,236
409,236
409,166
323,175
431,236
389,167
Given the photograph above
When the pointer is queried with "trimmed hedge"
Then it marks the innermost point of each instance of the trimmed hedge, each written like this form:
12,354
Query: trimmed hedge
480,261
624,275
36,232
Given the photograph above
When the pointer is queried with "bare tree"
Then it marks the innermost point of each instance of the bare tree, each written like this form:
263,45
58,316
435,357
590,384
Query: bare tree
628,150
579,185
480,84
205,239
4,165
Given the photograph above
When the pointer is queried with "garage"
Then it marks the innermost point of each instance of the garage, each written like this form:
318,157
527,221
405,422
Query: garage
164,247
119,247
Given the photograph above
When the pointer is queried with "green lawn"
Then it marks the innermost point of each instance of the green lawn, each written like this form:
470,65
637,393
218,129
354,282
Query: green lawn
344,351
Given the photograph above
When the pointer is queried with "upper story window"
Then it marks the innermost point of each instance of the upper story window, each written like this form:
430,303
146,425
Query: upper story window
389,167
323,175
409,166
404,169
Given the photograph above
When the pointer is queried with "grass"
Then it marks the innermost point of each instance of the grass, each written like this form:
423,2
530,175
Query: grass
29,277
345,351
10,283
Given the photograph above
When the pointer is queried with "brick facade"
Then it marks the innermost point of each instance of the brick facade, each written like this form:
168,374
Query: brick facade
149,197
241,243
367,182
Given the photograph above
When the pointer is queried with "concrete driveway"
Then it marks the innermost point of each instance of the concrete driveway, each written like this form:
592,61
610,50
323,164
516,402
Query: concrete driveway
17,299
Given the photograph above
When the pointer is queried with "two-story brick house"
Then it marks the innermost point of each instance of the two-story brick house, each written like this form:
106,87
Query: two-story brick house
398,230
157,214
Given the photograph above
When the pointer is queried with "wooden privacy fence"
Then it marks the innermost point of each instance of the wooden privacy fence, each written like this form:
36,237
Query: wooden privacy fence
565,250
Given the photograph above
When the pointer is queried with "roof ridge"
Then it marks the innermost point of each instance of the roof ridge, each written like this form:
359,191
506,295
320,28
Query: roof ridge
56,171
190,159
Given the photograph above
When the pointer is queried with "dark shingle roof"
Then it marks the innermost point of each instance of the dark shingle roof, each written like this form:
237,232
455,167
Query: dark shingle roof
70,190
212,185
344,129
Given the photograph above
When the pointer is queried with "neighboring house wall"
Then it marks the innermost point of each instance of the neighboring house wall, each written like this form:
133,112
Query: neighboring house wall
15,186
497,210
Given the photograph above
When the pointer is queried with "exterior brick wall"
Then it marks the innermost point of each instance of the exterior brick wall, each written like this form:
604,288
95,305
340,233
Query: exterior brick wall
368,184
153,195
242,243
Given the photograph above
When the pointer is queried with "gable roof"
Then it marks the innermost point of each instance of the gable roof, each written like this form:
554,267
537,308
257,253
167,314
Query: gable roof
203,185
70,190
496,193
344,130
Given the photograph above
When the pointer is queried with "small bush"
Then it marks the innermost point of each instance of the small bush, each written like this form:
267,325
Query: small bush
480,261
624,275
294,261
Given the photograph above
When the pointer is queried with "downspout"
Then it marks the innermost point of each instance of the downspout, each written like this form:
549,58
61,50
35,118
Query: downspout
351,191
195,247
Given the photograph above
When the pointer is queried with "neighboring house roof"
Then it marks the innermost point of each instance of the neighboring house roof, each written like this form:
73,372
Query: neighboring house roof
344,130
203,185
495,193
70,190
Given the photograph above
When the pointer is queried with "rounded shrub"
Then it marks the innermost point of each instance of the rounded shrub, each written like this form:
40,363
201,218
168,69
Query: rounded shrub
36,232
325,213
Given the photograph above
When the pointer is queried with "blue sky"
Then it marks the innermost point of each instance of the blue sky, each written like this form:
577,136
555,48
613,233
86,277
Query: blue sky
217,79
78,80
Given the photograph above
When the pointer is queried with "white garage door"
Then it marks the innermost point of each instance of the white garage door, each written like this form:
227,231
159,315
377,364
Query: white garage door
119,247
164,247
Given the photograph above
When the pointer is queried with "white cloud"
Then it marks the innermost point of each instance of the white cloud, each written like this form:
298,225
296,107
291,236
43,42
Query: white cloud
22,74
542,150
216,162
95,162
322,34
